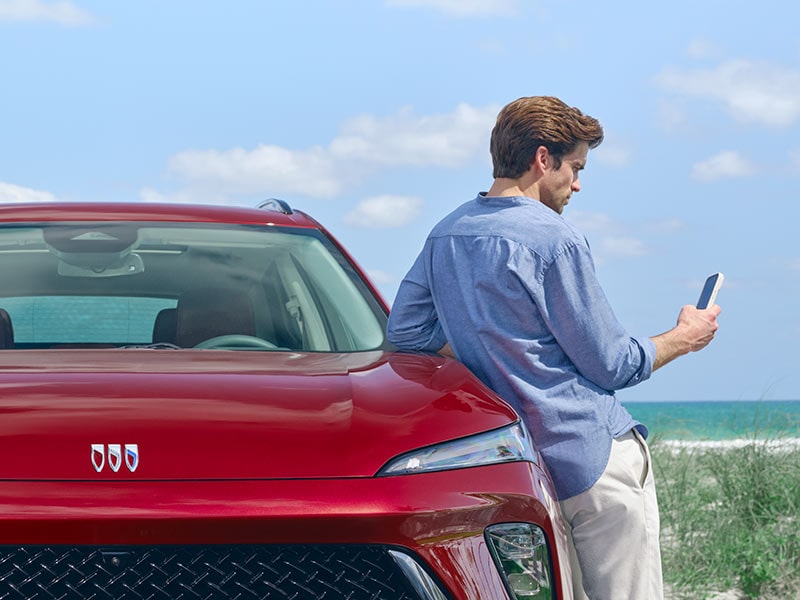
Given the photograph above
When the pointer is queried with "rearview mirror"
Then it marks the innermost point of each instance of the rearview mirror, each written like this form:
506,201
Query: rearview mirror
96,250
126,265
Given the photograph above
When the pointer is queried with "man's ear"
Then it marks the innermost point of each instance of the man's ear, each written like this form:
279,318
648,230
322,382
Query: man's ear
541,160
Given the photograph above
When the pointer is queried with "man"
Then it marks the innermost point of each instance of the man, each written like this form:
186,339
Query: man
508,287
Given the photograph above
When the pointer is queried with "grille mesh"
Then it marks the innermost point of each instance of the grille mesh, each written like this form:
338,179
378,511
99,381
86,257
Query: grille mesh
241,572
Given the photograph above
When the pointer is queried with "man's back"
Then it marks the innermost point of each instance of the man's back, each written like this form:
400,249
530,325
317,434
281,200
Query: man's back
510,285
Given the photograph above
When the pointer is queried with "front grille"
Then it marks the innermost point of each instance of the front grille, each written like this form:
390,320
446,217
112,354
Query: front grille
241,572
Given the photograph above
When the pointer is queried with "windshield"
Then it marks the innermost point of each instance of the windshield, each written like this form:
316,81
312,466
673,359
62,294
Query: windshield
182,285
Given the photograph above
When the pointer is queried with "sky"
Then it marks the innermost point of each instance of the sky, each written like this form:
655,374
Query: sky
374,117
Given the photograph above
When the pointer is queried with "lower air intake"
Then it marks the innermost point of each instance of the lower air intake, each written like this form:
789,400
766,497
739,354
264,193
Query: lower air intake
241,572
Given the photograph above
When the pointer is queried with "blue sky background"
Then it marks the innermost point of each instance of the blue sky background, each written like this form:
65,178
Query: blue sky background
374,117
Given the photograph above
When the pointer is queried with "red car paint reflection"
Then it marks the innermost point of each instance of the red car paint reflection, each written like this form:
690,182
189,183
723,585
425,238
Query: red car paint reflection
241,444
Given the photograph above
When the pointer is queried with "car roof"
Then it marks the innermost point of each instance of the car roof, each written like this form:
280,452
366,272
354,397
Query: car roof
274,212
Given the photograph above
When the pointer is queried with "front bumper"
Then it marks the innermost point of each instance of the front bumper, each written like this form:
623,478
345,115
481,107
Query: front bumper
437,518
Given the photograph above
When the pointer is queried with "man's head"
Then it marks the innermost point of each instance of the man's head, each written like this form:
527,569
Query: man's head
528,123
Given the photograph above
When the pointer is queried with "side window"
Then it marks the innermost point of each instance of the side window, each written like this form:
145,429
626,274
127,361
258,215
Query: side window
84,319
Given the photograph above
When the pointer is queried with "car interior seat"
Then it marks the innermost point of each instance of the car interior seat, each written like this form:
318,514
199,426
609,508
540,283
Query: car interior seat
165,328
6,330
210,312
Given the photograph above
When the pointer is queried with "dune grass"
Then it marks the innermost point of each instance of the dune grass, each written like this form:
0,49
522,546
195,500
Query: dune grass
730,518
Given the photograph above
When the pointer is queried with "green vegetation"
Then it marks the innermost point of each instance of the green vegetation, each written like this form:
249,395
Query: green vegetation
730,518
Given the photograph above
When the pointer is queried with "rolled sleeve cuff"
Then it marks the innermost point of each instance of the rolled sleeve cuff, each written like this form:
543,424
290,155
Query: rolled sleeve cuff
437,341
416,339
648,351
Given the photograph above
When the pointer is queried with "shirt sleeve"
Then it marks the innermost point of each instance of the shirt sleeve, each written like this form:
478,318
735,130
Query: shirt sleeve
413,321
580,318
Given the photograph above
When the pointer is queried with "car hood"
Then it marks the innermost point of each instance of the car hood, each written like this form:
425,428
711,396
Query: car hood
202,414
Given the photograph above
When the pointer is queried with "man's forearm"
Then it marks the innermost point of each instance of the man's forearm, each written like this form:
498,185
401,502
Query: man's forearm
693,332
669,346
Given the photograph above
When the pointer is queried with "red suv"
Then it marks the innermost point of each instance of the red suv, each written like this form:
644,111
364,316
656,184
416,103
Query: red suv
200,402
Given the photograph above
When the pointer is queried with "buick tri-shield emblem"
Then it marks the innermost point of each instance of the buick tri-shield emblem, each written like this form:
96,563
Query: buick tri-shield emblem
132,456
98,457
114,457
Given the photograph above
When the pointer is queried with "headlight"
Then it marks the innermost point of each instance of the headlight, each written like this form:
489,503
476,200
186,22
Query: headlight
508,444
520,551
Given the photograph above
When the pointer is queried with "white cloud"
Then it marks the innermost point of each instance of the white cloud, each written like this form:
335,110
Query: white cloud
591,222
61,12
702,49
753,92
672,118
608,237
365,144
613,154
381,277
724,165
183,196
622,246
665,226
15,193
385,211
605,226
266,167
461,8
406,139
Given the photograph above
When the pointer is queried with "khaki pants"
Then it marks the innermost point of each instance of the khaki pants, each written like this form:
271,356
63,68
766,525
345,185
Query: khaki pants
613,529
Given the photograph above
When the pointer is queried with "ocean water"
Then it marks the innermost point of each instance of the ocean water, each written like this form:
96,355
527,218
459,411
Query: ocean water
720,421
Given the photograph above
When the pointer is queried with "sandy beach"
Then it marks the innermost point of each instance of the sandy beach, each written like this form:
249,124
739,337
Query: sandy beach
730,595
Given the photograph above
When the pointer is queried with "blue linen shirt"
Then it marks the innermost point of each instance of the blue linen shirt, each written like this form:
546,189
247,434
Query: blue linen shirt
512,287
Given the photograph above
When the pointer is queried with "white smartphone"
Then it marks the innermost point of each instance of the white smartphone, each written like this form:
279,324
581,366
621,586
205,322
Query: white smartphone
710,289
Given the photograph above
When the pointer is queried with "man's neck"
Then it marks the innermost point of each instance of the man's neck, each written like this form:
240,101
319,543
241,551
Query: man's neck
505,187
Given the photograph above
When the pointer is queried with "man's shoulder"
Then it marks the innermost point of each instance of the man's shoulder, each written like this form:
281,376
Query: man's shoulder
523,221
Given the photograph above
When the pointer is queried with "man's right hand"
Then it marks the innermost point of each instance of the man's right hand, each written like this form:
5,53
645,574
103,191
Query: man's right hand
694,331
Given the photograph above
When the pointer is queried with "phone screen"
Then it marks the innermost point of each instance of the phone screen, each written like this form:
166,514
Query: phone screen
710,289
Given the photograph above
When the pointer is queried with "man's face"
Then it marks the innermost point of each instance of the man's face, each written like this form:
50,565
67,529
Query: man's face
558,185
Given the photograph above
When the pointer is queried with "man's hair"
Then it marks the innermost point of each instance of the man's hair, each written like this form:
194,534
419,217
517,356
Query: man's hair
527,123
